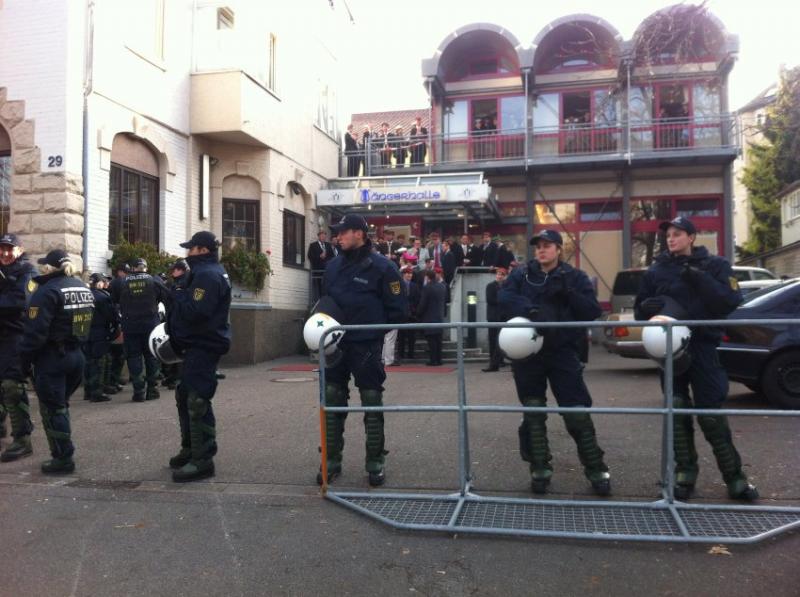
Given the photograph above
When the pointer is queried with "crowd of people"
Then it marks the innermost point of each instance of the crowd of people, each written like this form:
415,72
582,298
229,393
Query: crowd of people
61,332
385,147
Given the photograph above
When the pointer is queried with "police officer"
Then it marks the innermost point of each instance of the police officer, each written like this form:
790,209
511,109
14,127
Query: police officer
367,288
16,285
547,289
105,328
704,286
177,279
59,320
138,296
112,382
199,327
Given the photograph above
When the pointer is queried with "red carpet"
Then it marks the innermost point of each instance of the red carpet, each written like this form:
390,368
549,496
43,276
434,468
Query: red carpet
398,369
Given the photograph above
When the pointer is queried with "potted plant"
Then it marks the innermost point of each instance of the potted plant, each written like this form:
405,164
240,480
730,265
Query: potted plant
247,269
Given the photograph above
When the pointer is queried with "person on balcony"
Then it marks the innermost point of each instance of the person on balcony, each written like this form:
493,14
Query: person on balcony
400,144
351,151
385,145
418,138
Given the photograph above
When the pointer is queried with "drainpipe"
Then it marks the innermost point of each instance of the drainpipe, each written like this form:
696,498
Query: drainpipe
430,127
527,108
87,91
628,113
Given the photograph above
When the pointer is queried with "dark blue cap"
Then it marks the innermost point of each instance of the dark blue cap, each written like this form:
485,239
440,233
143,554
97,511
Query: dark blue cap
350,222
10,239
681,223
204,238
550,236
55,258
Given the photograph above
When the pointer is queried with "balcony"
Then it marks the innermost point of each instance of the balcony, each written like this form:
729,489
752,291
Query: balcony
231,106
577,146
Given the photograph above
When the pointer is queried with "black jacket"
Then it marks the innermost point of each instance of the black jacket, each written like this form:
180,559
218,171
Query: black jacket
16,286
504,257
315,253
432,305
488,255
200,313
448,266
105,321
138,295
494,311
60,313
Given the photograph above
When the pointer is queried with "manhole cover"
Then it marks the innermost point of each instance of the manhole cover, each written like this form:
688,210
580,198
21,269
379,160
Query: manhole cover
293,379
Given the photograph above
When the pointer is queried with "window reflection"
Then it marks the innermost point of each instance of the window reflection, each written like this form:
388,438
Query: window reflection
555,213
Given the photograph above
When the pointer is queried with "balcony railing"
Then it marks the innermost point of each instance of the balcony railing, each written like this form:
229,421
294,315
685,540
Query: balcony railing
487,148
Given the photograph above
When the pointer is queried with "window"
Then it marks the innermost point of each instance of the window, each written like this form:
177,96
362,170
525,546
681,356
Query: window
145,28
456,115
240,219
133,207
5,191
555,213
327,110
293,239
793,205
545,111
601,212
512,113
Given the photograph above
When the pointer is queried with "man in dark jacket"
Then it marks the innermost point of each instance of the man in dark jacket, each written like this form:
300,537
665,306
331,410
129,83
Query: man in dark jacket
547,289
199,328
367,288
59,321
138,295
412,291
16,286
705,287
495,313
419,141
352,151
105,328
431,310
488,251
448,263
320,254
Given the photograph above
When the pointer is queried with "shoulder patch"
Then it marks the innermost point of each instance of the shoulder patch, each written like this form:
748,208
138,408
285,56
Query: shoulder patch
33,312
394,287
199,293
32,286
733,282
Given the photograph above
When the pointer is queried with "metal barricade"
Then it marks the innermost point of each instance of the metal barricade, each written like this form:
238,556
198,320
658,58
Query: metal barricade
662,520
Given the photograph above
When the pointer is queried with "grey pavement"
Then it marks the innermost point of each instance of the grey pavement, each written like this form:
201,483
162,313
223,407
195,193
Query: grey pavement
119,526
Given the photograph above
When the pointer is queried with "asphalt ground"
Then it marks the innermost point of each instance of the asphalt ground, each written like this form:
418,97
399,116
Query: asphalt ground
119,526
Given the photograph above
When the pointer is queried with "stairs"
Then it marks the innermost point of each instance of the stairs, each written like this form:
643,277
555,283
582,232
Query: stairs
471,355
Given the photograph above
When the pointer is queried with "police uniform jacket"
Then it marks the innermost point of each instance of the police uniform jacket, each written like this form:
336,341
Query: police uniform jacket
563,294
199,316
105,321
368,289
138,295
59,315
707,291
16,287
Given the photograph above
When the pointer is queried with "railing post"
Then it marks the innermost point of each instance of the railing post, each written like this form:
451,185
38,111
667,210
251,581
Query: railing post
668,458
464,474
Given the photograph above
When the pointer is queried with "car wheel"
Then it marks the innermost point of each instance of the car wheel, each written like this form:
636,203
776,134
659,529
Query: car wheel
781,380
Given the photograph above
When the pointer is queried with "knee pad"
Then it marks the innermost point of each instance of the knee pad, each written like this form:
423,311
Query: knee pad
371,397
577,422
198,407
335,395
12,391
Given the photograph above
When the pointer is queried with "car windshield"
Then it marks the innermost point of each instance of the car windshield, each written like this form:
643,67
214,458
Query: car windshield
628,282
759,297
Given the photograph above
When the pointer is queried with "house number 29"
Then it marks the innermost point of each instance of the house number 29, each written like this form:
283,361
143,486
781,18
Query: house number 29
54,161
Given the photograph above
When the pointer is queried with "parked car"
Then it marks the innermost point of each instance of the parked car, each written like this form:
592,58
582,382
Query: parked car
766,358
754,278
627,341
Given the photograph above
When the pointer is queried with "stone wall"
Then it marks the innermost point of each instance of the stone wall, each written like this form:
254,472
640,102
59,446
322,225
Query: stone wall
261,334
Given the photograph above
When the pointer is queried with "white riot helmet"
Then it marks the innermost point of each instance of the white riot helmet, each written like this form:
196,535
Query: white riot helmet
316,325
654,339
520,343
160,346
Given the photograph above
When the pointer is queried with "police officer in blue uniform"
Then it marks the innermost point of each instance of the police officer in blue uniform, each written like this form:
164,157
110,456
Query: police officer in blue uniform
138,295
105,328
703,285
547,289
368,290
199,328
178,275
16,286
59,320
116,354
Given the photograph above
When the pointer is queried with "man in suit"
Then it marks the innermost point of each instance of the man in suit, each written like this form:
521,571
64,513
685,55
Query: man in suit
419,138
435,249
319,254
385,145
390,247
494,313
504,257
488,251
351,150
400,147
448,263
413,292
431,310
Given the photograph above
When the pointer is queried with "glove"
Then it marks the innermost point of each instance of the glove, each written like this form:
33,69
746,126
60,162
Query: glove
556,288
533,313
651,306
690,274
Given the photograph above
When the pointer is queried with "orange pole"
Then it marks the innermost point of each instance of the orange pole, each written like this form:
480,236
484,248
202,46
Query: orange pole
323,467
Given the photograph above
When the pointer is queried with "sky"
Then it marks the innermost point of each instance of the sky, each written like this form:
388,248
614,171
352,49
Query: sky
382,53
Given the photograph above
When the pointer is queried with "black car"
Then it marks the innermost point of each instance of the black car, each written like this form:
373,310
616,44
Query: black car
766,358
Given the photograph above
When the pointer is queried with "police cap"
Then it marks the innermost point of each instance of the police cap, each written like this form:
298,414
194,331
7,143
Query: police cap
204,238
551,236
350,222
55,258
9,239
680,223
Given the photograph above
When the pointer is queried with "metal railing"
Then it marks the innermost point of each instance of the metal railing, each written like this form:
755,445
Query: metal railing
398,155
663,520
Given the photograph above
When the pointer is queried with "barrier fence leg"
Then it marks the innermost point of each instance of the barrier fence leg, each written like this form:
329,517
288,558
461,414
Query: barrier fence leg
463,430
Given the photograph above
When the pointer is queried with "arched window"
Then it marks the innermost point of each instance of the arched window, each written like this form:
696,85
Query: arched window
5,180
133,192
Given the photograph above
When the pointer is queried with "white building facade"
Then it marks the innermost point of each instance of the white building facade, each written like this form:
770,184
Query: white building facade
150,120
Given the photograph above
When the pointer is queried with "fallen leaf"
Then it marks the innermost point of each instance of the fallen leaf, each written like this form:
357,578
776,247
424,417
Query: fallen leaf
719,550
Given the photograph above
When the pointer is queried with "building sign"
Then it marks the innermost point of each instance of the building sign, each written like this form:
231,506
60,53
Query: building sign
394,195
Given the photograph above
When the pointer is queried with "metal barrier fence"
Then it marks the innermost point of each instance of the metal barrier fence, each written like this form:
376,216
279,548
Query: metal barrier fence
663,520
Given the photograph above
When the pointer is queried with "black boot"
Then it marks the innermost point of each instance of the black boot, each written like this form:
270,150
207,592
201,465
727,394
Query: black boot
534,447
718,433
203,443
373,426
335,395
581,428
686,468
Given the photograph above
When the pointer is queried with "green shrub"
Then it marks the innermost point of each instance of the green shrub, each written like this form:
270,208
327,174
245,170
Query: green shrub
247,268
157,261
